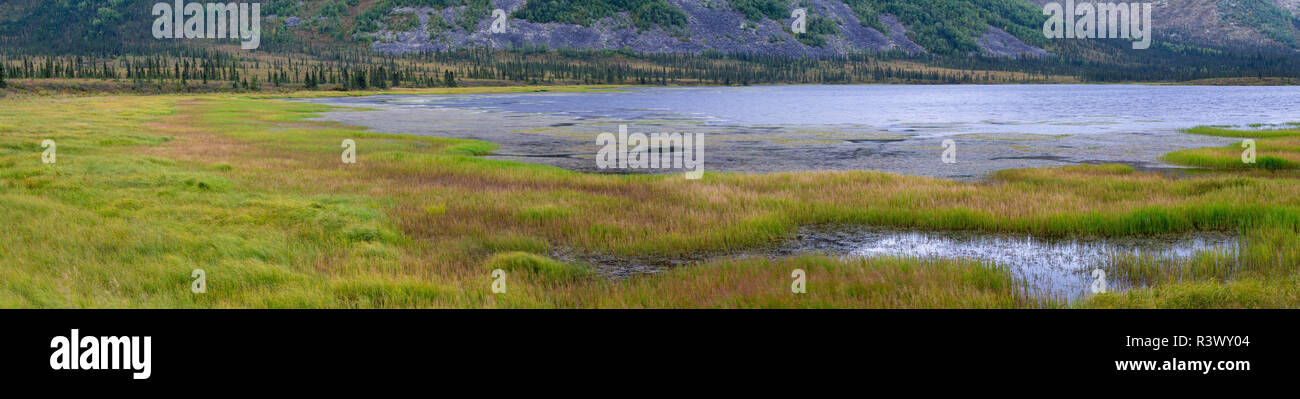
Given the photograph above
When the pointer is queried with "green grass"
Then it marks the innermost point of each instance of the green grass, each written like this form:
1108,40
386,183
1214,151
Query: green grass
442,90
148,188
1276,147
1277,292
1288,131
536,265
885,282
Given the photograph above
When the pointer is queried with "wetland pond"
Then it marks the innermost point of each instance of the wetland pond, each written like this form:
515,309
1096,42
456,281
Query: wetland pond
890,128
1061,268
1057,267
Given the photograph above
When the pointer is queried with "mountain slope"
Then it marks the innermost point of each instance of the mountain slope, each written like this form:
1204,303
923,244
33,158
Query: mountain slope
1290,5
1258,24
735,26
947,27
991,27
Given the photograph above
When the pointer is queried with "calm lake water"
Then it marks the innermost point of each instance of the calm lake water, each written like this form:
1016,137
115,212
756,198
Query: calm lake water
891,128
1042,109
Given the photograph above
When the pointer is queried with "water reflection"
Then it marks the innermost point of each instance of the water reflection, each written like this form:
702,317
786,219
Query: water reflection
1057,267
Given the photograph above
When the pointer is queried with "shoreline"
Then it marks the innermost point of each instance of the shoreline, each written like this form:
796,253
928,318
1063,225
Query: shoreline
568,141
22,88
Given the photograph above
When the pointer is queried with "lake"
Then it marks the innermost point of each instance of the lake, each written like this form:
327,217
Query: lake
891,128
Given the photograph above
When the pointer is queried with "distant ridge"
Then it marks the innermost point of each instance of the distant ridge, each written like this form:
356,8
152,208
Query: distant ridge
1008,28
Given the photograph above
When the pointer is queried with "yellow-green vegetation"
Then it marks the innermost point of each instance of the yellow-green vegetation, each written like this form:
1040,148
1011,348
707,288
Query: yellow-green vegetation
148,188
1276,148
438,91
1289,130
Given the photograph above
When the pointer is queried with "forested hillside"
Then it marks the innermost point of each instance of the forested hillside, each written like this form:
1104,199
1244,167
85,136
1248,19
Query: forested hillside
347,44
950,27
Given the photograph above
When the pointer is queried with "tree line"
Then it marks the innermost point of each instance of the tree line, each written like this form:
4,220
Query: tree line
344,69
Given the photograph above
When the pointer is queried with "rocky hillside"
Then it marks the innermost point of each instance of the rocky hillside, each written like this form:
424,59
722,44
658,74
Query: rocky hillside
728,26
947,27
991,27
1290,5
1226,23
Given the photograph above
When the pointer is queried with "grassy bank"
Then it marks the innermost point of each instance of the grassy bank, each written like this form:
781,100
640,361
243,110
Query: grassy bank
1276,148
148,188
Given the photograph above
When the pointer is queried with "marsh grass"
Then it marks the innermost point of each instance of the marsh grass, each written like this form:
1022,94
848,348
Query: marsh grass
1277,148
1257,131
1144,269
148,188
882,282
544,268
437,91
1272,156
